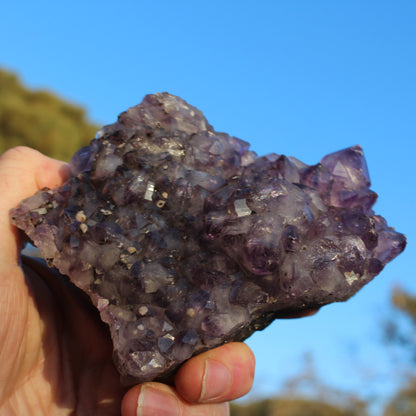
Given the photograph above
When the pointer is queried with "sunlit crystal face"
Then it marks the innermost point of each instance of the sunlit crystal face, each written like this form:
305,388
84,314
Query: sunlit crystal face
185,239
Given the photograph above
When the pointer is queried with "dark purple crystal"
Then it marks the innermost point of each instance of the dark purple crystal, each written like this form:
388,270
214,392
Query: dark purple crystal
185,239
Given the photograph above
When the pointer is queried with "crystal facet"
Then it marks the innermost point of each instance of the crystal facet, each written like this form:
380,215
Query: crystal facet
184,239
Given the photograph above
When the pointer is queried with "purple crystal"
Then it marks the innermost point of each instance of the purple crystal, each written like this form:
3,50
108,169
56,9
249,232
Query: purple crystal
185,239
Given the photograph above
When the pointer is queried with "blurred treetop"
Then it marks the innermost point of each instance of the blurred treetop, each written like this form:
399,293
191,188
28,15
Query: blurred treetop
41,120
296,407
404,403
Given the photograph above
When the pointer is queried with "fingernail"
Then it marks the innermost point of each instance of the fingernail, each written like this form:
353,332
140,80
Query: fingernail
216,381
153,402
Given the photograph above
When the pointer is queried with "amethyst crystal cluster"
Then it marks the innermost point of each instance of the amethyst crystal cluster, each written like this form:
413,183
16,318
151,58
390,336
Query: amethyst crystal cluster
184,239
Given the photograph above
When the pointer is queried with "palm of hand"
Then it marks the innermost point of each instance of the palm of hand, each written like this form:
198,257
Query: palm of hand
56,353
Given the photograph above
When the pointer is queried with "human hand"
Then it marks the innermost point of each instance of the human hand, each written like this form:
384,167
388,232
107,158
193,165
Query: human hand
55,352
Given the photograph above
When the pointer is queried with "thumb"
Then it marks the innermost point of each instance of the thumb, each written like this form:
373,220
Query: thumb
23,171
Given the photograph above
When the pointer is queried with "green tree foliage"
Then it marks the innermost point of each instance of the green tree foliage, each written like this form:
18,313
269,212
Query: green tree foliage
41,120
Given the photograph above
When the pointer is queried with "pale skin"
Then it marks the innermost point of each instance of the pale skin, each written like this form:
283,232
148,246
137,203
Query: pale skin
56,354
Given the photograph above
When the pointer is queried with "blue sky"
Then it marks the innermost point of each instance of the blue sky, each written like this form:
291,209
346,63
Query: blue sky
299,78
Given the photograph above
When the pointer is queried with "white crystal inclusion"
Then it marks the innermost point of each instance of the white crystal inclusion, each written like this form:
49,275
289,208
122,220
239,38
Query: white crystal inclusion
149,191
351,277
241,208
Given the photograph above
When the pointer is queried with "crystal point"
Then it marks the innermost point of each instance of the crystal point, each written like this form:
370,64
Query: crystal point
184,239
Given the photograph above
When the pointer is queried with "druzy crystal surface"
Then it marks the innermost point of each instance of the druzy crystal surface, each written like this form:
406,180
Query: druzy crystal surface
185,239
